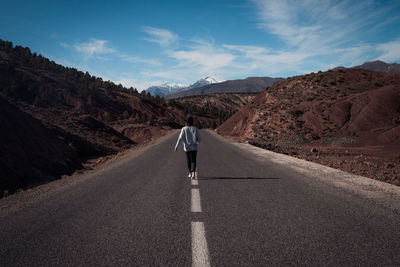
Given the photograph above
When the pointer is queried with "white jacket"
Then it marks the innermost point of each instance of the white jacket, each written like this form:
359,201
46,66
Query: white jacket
190,136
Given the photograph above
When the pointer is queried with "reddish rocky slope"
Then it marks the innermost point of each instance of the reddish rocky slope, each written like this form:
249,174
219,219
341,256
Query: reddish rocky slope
218,107
347,118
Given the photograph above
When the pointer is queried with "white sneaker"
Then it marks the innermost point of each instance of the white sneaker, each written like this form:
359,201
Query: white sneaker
190,175
194,176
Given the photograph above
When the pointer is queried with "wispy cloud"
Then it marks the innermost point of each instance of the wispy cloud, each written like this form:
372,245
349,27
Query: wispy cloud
137,59
160,36
315,35
316,23
204,56
320,33
65,45
390,51
272,61
94,47
300,37
196,59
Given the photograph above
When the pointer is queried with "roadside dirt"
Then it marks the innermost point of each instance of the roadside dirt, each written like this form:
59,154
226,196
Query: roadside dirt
374,162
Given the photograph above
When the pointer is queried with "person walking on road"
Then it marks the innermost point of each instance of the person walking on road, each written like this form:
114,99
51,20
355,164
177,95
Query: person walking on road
191,138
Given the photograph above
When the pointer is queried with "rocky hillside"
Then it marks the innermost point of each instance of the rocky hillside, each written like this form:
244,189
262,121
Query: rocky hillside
248,85
84,116
218,106
69,98
327,116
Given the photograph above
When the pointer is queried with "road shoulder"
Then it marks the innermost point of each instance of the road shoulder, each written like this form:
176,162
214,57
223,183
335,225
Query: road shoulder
383,193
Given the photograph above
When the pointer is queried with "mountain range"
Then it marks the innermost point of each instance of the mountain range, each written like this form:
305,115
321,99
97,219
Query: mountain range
248,85
378,65
168,88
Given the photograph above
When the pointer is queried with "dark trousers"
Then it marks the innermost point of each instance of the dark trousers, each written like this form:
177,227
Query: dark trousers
191,160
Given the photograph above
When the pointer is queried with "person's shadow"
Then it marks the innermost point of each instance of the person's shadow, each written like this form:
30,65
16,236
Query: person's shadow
236,178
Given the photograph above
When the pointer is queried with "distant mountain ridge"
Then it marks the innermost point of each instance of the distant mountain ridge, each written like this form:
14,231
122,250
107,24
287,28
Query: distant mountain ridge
376,65
165,89
204,81
248,85
168,88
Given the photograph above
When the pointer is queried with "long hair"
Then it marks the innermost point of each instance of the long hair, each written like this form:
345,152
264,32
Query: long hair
189,121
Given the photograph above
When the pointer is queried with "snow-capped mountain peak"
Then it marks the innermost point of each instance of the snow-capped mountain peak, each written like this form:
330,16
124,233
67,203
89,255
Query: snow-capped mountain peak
172,85
165,89
211,80
204,81
170,88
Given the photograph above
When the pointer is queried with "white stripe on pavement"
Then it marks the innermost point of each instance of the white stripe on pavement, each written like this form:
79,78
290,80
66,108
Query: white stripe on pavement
199,246
196,205
195,182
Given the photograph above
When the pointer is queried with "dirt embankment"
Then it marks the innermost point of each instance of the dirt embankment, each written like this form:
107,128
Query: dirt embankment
347,119
31,153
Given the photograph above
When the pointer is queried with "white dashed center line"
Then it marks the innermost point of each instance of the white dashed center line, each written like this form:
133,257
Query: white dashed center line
196,205
200,255
199,245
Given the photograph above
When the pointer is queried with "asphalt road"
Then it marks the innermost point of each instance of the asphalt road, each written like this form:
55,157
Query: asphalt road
242,212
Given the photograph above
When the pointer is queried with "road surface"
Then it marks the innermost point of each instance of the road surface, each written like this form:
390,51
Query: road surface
243,211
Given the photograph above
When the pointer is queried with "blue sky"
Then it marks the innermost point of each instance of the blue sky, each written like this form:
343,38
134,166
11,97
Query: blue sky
143,43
